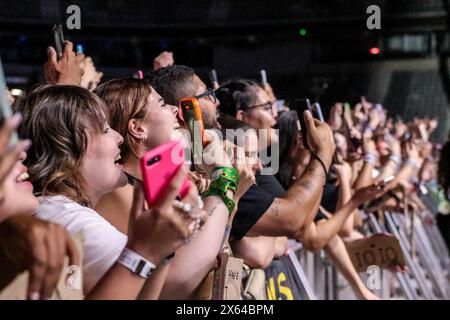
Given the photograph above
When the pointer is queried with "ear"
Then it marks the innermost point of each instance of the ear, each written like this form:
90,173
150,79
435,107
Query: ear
135,128
240,115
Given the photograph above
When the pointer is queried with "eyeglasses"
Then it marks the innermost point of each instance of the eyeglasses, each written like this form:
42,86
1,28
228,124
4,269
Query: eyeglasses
209,94
267,106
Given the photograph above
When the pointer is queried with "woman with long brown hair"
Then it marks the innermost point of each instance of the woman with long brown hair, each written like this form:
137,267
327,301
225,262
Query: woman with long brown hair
72,164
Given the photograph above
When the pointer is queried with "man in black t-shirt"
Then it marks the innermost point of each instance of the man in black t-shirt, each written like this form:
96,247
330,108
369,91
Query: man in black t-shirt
260,213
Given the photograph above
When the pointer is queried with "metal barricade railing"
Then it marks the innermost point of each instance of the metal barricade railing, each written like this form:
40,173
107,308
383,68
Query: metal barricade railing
427,277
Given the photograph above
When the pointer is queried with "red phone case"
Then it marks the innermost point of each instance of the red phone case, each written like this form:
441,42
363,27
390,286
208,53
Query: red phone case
159,166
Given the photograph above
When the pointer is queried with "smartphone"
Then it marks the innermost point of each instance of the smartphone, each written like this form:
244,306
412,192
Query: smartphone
263,77
5,108
158,167
58,37
301,105
191,115
214,79
317,111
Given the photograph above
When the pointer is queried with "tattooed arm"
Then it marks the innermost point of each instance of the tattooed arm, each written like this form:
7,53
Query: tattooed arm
297,208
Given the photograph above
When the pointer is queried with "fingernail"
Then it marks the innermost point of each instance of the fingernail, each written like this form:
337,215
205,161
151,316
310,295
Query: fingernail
35,296
15,119
49,50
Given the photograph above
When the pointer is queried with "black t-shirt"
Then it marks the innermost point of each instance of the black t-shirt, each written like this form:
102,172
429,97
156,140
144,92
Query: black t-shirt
270,184
253,204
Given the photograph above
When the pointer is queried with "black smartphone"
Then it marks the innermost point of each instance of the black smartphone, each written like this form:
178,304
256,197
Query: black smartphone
214,79
317,111
301,105
58,36
263,74
5,108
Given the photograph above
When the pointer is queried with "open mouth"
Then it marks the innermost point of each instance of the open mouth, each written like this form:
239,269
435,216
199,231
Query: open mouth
24,176
116,161
22,180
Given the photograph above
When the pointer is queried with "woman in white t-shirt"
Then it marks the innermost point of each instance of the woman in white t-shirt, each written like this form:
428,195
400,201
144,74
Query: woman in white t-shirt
72,163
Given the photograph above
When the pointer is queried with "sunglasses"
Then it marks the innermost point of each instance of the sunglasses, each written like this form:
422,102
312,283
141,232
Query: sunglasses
209,94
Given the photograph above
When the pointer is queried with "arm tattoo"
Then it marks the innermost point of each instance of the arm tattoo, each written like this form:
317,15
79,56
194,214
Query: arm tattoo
214,208
304,186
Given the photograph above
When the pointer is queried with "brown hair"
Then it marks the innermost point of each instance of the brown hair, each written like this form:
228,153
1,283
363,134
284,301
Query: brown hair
57,119
125,99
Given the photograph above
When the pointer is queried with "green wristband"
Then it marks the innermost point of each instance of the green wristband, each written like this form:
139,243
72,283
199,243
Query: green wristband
230,204
227,173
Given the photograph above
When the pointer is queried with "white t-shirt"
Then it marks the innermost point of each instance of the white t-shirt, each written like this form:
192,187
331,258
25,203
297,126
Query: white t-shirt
102,242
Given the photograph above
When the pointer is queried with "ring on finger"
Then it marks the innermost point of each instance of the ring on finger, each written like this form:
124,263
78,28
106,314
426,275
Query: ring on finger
185,207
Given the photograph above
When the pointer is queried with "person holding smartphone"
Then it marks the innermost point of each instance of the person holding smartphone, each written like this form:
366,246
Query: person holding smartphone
260,212
72,166
176,82
66,70
147,121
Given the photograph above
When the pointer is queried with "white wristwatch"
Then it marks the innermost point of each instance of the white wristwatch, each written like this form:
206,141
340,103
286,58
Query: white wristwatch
136,263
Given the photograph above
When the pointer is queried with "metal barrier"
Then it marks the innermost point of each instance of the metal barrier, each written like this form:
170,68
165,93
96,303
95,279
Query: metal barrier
425,254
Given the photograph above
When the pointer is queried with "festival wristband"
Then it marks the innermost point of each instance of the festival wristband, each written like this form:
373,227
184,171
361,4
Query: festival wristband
227,173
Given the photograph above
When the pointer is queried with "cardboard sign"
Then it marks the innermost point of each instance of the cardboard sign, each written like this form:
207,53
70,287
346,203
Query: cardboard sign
382,250
228,281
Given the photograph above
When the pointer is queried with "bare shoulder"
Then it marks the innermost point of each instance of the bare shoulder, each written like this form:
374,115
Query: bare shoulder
115,206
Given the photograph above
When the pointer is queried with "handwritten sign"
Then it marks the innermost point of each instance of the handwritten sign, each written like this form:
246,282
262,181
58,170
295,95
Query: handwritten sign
382,250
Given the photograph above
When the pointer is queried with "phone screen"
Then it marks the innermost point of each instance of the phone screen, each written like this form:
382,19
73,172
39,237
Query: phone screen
58,36
301,105
192,118
5,108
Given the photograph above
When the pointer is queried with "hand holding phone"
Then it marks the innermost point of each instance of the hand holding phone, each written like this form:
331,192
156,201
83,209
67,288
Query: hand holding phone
191,115
301,105
58,37
159,166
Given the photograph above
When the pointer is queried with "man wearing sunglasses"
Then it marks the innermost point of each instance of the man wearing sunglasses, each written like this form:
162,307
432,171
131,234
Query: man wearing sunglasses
178,81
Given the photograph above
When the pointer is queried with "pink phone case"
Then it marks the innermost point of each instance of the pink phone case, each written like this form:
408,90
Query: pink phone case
159,166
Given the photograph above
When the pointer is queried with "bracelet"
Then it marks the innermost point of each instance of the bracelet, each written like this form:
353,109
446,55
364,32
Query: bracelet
370,158
412,163
315,156
136,263
396,159
225,179
227,173
229,203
